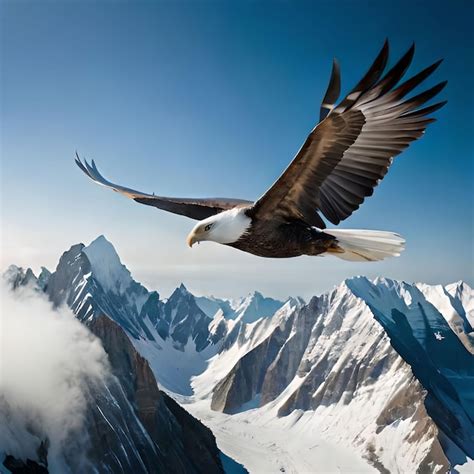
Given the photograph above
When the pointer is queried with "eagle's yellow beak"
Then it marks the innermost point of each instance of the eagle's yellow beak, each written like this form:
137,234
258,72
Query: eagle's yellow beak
191,239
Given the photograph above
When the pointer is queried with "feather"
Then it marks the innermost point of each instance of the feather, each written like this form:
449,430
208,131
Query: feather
332,92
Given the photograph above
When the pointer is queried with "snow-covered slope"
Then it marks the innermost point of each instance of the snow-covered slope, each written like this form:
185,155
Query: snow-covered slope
329,368
439,353
92,281
107,267
254,306
372,365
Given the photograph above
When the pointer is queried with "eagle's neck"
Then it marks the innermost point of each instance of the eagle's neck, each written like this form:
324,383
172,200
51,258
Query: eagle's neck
230,225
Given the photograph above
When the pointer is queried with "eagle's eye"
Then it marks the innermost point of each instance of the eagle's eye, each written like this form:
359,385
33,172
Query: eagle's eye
207,228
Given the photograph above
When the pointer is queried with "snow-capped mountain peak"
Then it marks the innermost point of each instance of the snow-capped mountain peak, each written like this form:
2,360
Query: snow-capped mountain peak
255,306
453,302
106,265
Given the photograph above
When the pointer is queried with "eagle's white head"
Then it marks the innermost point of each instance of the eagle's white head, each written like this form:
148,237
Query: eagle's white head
224,228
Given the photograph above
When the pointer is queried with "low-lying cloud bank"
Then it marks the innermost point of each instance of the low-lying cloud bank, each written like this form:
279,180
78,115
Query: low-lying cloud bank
48,361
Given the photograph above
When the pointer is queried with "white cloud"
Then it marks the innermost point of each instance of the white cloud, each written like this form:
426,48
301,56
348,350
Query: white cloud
47,361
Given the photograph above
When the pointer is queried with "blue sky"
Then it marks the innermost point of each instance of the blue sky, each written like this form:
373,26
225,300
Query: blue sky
214,99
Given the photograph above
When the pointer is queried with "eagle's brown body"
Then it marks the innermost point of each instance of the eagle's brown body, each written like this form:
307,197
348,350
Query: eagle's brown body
264,240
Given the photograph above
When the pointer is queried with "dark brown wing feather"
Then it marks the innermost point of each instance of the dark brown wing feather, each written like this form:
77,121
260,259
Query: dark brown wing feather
391,124
350,151
193,208
332,92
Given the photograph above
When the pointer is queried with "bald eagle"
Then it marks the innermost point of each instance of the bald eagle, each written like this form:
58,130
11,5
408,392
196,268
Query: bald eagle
342,160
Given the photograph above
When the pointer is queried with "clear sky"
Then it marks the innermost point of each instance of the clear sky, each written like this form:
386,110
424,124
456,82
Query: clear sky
200,98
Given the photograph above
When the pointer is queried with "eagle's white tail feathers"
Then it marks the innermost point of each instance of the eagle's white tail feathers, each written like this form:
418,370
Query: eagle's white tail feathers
366,245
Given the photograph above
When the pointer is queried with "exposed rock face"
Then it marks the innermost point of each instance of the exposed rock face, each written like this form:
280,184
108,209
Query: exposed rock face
289,358
130,425
171,439
91,294
17,276
245,380
186,320
18,466
43,278
349,355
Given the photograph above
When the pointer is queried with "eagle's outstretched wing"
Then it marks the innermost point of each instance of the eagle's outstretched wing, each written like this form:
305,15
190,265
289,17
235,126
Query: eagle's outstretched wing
351,149
194,208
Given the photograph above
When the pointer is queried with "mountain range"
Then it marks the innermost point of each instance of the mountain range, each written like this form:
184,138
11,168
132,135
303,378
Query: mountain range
371,376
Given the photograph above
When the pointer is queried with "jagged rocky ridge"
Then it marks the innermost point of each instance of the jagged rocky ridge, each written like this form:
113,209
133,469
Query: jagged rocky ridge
350,356
370,364
92,281
130,426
